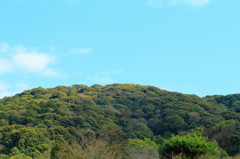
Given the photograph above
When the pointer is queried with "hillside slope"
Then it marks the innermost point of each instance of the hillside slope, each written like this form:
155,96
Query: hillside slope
68,122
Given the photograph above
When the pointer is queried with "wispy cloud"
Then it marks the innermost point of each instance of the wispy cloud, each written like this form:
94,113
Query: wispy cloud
21,87
4,47
81,50
194,3
53,73
103,78
72,0
3,85
155,3
100,79
5,66
9,90
4,89
190,2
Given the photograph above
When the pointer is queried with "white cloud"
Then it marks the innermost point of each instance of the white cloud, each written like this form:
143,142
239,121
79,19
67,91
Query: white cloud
33,61
159,3
4,47
26,59
81,50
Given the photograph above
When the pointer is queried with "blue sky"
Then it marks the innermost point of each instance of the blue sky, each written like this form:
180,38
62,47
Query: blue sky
188,46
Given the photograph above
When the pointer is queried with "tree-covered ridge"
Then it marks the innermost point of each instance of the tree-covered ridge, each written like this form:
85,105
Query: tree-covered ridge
113,121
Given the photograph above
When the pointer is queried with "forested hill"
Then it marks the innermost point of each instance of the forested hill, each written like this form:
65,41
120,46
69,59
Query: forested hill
114,121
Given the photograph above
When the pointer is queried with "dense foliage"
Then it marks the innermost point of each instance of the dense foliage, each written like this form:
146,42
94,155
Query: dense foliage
115,121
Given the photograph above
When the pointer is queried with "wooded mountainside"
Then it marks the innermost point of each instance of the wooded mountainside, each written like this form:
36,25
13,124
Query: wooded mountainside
118,121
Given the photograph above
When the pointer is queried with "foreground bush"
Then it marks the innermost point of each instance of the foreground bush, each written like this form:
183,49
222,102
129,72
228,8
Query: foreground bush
191,146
